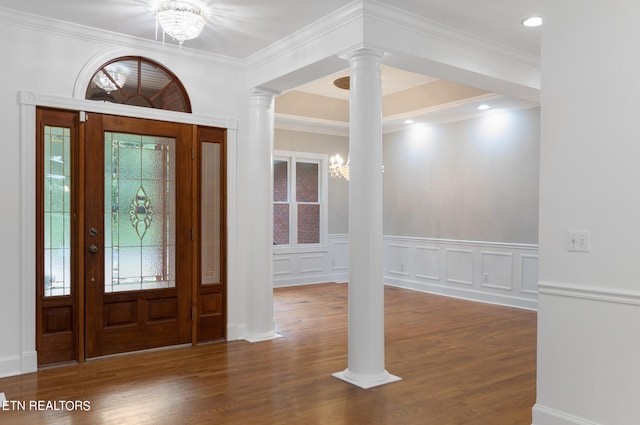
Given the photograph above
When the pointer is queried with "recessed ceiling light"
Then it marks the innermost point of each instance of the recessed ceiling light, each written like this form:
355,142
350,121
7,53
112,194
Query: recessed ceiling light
484,107
533,21
409,121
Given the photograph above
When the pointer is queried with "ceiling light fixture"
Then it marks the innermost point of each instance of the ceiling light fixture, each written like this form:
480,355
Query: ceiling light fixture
533,21
337,168
343,83
484,107
409,121
181,19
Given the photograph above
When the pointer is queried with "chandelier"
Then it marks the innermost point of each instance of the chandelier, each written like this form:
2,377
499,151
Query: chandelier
181,19
111,77
337,168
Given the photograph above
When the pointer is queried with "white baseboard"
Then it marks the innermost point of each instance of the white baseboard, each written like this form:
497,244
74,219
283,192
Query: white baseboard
546,416
464,294
17,365
236,331
310,280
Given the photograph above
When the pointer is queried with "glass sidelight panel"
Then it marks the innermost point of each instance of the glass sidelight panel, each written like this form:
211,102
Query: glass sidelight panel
57,211
210,213
140,212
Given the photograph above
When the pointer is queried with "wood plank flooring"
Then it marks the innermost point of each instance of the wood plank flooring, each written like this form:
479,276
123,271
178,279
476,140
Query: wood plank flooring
460,362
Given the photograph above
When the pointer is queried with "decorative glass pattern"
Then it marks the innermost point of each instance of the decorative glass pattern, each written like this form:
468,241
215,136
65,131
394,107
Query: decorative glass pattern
211,189
57,211
140,212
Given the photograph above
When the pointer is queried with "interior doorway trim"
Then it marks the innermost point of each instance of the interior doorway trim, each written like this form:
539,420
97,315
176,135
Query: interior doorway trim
28,101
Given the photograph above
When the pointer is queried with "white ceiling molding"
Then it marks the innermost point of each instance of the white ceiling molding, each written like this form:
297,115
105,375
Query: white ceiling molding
451,112
311,125
416,45
322,27
416,23
111,39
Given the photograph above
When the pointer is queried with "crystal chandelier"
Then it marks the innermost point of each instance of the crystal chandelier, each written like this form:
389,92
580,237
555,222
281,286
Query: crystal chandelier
181,19
111,77
337,168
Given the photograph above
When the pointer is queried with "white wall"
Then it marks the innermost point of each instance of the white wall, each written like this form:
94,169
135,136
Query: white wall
48,58
589,304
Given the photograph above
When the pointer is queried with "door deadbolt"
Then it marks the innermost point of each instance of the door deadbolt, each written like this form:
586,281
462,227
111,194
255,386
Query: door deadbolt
93,231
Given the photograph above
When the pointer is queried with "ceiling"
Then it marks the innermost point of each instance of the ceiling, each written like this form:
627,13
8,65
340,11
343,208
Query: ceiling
241,28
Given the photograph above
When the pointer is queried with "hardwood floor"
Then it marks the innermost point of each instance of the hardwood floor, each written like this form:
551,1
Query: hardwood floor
460,362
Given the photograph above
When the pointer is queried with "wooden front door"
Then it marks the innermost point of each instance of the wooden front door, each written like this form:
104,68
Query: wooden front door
131,241
138,231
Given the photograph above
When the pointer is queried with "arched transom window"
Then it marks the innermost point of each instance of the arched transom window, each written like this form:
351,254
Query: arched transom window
134,80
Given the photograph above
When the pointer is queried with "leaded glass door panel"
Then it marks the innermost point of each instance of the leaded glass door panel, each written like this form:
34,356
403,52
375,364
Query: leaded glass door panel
138,234
56,264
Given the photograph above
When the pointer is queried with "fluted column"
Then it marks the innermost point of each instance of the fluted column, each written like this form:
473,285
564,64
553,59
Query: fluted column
366,361
258,214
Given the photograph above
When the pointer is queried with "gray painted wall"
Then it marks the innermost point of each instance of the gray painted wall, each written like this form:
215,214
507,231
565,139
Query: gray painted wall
468,180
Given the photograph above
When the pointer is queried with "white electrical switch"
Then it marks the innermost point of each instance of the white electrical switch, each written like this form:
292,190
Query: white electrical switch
578,241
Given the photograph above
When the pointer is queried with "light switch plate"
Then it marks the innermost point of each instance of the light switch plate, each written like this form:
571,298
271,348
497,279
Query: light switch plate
578,241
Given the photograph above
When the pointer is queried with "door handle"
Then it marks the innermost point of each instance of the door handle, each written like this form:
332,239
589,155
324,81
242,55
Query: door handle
93,248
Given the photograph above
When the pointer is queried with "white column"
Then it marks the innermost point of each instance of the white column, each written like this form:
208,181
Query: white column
366,287
258,218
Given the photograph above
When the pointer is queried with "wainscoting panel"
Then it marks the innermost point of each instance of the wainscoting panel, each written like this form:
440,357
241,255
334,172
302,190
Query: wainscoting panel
529,276
282,265
398,258
427,263
497,273
316,264
459,266
312,263
489,272
497,270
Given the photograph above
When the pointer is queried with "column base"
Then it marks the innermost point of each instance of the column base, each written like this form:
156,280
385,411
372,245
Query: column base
366,381
267,336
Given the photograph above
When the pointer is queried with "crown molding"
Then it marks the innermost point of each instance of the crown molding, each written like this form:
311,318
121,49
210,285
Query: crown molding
389,123
399,17
385,13
323,26
455,117
311,125
358,9
100,36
